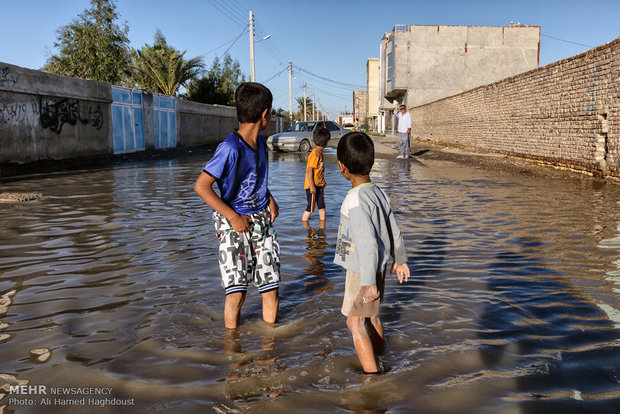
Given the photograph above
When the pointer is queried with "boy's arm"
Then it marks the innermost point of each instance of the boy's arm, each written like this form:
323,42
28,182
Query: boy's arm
273,206
204,188
400,254
366,247
367,250
310,178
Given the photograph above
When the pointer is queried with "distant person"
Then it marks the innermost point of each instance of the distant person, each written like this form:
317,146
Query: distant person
404,131
368,238
244,209
314,183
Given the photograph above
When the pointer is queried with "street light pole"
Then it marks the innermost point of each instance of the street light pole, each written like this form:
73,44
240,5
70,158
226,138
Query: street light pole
304,101
252,77
290,91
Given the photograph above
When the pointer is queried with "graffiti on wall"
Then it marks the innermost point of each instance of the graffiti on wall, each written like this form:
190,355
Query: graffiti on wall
55,114
7,79
50,113
13,112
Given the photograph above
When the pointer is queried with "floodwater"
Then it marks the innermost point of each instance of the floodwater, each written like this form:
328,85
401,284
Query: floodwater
512,306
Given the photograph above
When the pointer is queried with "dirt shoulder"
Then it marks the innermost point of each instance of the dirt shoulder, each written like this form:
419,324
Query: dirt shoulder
387,147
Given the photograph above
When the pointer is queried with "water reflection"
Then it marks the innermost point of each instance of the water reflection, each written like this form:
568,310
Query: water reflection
512,305
315,256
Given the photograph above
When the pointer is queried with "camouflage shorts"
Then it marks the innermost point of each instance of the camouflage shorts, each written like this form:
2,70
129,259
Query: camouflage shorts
251,256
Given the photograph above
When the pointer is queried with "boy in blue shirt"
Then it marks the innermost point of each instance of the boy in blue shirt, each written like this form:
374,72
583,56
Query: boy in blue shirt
244,209
368,238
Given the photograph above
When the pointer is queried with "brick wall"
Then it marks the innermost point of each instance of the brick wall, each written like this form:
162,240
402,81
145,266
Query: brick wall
565,114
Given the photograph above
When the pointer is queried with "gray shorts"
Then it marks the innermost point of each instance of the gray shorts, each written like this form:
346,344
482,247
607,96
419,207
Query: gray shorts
252,256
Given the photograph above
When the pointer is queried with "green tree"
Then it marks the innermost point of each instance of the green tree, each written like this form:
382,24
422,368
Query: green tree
161,68
92,46
309,106
218,85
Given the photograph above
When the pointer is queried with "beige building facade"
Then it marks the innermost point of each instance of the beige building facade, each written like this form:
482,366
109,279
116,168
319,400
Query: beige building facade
421,64
360,106
372,86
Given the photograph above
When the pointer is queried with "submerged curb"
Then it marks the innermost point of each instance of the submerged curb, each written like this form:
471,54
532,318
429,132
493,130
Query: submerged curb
19,197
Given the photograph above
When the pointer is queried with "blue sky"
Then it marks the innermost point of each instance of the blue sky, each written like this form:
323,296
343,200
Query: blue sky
331,39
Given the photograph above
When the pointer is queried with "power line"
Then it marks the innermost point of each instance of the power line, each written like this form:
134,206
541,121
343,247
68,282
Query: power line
350,85
277,74
234,8
235,41
245,30
330,85
567,41
227,13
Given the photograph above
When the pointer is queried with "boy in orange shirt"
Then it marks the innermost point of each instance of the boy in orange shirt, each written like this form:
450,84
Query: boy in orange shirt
315,175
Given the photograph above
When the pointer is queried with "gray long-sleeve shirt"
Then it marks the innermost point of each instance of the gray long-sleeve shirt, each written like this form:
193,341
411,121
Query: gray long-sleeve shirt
368,235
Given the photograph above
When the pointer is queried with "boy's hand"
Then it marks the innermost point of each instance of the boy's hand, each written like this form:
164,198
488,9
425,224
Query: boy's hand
370,293
313,189
240,223
273,208
402,271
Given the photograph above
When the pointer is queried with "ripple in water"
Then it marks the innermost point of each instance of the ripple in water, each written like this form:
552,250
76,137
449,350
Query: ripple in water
111,280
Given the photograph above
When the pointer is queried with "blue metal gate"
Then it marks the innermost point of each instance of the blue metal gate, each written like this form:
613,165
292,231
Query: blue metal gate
127,120
165,119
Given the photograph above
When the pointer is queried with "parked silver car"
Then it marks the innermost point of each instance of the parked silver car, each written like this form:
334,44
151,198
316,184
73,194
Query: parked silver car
299,136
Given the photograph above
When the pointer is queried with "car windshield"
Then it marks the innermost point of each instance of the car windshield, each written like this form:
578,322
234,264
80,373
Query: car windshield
302,127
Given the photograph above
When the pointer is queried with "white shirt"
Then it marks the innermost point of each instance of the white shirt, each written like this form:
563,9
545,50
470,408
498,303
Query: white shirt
404,121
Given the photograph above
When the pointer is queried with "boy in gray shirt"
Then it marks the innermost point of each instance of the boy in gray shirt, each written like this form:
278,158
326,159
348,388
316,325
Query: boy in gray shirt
368,237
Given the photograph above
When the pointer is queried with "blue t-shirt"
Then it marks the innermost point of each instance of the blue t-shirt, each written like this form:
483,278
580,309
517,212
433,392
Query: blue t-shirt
241,173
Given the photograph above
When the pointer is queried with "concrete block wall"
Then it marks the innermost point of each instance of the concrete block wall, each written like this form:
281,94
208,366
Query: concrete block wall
45,116
566,114
200,124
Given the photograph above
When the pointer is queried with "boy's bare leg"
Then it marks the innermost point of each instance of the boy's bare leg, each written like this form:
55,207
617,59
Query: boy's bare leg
305,216
362,343
322,214
376,333
232,309
271,300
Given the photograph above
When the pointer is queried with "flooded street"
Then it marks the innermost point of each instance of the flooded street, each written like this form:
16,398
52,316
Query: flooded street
512,306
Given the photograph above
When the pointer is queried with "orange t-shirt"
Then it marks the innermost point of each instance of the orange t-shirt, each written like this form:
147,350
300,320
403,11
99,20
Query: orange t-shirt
315,161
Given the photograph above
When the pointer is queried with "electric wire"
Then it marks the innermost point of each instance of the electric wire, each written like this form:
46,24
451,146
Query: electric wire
350,85
235,41
567,41
231,15
245,30
277,74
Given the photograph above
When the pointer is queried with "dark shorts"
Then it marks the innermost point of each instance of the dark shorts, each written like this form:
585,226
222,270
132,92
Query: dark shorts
318,199
249,257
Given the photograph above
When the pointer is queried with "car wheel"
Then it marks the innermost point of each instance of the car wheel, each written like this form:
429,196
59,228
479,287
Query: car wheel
304,146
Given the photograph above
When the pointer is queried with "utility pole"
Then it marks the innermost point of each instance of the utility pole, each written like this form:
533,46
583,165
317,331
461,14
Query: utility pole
318,108
304,101
290,92
313,106
252,77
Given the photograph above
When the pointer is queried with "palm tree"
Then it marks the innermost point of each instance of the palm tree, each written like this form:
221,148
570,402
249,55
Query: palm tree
309,107
161,68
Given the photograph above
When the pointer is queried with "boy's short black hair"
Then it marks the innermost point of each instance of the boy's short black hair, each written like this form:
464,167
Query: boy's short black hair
357,152
321,136
251,100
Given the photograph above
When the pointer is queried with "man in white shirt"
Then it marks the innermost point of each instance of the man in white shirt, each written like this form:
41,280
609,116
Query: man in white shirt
404,131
